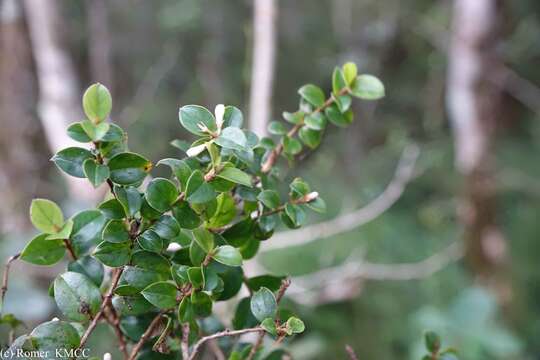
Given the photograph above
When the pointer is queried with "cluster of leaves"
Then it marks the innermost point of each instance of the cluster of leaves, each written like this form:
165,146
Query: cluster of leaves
176,245
433,346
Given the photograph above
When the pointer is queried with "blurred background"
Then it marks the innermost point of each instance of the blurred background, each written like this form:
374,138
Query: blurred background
433,192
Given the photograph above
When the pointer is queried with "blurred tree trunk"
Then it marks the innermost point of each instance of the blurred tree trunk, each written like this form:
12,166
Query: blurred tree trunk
59,96
20,148
262,71
99,43
474,105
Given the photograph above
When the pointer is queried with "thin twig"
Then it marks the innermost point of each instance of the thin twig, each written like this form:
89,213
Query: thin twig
350,352
5,280
185,340
403,174
221,334
104,304
218,353
67,243
145,336
114,321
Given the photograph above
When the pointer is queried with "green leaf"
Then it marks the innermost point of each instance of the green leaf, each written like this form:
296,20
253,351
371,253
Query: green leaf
296,214
337,118
161,294
150,241
197,190
315,121
90,267
113,254
130,198
338,81
128,168
96,173
311,138
166,227
232,117
235,175
343,103
161,194
295,326
132,305
95,132
228,255
114,134
185,310
240,233
46,216
191,116
87,228
232,138
291,146
185,216
116,232
196,277
64,233
97,102
299,188
317,205
312,94
368,87
277,128
40,251
71,159
180,169
349,72
273,283
112,209
433,341
264,304
204,238
180,274
269,198
145,268
202,304
77,133
269,326
53,335
294,118
77,296
243,318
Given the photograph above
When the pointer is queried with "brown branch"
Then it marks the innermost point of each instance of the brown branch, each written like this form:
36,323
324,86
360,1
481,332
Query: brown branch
403,175
114,320
67,243
185,340
5,280
221,334
106,302
350,352
274,155
145,336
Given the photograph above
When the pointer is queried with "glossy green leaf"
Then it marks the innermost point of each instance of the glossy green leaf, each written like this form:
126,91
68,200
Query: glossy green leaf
113,254
185,310
71,159
315,121
243,318
161,194
97,102
269,326
77,133
89,267
46,216
277,128
269,198
40,251
235,175
337,118
228,255
312,94
166,227
294,325
296,214
112,209
161,294
96,173
77,296
95,132
197,190
338,81
294,118
53,335
368,87
311,138
64,233
225,211
232,138
87,228
130,198
343,103
291,146
271,282
185,216
132,305
116,231
180,169
192,117
232,117
196,277
204,238
114,134
150,241
202,304
263,304
128,168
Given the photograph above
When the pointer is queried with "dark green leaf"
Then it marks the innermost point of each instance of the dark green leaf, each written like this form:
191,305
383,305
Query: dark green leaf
240,233
77,296
268,281
132,305
112,209
40,251
196,277
343,103
114,134
296,214
71,160
269,198
180,169
312,94
311,138
166,227
338,81
235,175
185,310
161,194
185,216
46,216
264,304
315,121
197,190
196,253
116,231
77,133
225,211
243,318
291,146
232,117
150,241
90,267
232,138
337,118
191,116
53,335
97,102
202,304
87,228
161,294
130,198
113,254
128,168
204,238
96,173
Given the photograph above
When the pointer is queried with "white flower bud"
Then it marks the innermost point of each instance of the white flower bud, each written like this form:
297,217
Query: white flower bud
107,356
196,150
219,112
174,247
